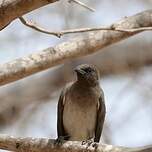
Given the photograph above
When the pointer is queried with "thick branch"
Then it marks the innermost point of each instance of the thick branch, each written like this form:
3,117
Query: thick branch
79,47
12,9
47,145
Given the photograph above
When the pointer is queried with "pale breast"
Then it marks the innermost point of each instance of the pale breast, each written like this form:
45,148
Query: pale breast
79,117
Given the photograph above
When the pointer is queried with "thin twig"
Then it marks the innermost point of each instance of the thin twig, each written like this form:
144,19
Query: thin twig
80,30
35,27
60,33
83,5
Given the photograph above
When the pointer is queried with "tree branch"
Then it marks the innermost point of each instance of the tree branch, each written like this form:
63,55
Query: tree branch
82,4
12,9
81,30
47,145
61,33
91,43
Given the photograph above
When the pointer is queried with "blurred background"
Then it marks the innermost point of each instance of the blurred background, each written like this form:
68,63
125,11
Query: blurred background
28,107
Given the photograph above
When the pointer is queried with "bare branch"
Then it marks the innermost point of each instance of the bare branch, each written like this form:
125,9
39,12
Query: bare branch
82,4
47,145
81,30
92,42
19,8
35,27
61,33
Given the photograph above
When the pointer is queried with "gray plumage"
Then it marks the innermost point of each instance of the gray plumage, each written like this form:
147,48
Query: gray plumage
81,107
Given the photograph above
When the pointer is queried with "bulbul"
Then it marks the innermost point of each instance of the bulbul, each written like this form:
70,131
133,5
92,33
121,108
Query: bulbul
81,107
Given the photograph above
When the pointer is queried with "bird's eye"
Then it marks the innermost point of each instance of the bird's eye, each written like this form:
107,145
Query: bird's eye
88,70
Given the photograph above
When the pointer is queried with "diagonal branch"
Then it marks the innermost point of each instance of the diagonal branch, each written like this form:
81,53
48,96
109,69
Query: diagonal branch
47,145
19,8
91,43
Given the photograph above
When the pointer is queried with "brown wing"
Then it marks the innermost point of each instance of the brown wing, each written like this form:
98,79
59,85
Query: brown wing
100,118
60,128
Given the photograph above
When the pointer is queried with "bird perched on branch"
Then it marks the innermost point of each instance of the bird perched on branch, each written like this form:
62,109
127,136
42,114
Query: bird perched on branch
81,107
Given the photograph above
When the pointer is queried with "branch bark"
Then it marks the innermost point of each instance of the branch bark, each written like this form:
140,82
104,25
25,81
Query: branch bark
91,43
12,9
47,145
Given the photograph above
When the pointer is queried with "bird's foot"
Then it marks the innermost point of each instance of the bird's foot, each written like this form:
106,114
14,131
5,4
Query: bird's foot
95,145
59,141
88,142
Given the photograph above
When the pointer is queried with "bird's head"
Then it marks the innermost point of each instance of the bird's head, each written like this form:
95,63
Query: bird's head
87,74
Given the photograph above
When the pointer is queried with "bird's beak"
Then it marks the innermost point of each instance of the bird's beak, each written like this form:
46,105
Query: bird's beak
79,71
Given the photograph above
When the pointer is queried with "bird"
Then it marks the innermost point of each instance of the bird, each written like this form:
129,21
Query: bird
81,107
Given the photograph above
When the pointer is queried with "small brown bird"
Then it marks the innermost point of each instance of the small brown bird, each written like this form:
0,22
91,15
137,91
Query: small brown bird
81,107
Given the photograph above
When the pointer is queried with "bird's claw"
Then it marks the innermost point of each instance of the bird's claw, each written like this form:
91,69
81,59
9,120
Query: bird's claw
88,142
95,145
59,141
